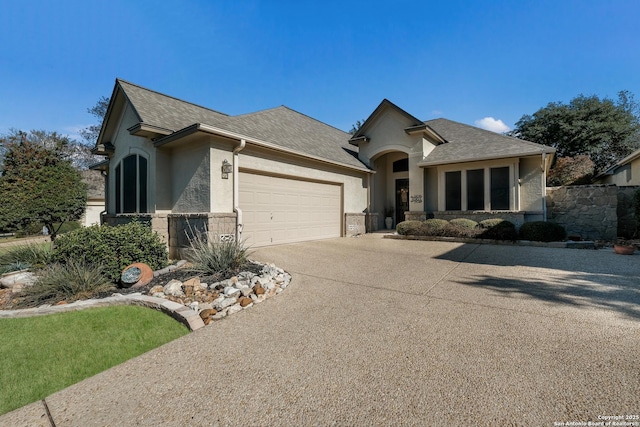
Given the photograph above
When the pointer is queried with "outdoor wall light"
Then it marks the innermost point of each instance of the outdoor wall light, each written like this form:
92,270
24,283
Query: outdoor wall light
227,168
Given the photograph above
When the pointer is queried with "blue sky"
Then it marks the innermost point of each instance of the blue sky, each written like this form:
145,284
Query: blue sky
332,60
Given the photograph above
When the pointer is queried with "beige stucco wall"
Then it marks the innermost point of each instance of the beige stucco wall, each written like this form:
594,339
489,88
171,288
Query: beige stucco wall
190,172
91,215
126,144
621,177
532,184
386,134
163,196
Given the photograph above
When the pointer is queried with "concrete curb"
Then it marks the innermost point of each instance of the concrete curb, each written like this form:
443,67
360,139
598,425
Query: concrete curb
586,244
179,312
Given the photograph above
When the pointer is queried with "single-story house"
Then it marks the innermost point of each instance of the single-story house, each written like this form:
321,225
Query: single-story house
279,176
625,172
95,197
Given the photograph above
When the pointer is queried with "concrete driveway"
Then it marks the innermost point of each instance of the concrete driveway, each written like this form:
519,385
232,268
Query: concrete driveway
385,332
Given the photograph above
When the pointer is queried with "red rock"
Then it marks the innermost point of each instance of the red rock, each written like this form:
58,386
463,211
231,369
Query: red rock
61,303
245,301
208,312
258,289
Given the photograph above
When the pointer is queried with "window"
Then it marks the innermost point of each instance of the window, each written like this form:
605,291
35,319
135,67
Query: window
475,190
499,189
453,191
131,185
478,189
401,165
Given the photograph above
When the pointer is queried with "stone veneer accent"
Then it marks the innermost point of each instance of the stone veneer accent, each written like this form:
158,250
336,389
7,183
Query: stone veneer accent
175,229
371,222
354,224
183,226
415,216
589,211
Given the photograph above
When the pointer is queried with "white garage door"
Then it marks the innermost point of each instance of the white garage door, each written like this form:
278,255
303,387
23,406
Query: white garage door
280,210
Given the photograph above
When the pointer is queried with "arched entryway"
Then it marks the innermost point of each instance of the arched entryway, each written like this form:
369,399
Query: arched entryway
390,189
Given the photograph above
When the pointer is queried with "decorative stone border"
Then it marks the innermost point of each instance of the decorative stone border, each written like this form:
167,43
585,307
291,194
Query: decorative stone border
180,312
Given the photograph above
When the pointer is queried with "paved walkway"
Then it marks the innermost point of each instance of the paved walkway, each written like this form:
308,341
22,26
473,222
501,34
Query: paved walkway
383,332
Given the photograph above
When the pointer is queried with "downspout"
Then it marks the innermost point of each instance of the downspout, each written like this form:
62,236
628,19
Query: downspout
236,190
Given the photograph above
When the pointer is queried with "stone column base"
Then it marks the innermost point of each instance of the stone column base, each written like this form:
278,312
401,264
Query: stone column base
415,216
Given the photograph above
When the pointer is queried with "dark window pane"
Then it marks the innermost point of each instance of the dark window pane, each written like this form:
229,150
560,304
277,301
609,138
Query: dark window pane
401,165
118,189
500,188
453,191
142,183
475,190
129,175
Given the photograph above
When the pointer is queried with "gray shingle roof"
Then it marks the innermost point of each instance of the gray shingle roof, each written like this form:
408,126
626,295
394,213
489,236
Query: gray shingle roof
280,126
466,143
295,131
165,111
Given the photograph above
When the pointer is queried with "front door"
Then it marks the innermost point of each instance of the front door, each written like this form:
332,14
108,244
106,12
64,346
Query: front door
402,199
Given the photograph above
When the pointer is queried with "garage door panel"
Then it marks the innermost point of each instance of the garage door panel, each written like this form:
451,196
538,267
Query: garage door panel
280,210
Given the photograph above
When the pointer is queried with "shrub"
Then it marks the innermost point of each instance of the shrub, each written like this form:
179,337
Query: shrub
435,226
112,248
464,222
458,230
542,231
64,282
413,228
497,229
216,257
29,255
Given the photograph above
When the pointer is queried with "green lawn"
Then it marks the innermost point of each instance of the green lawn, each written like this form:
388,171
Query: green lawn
44,354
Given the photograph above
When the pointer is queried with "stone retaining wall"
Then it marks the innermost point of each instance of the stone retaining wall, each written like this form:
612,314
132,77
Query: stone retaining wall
588,211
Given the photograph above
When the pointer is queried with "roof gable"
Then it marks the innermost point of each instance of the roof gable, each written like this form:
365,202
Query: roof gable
384,105
167,112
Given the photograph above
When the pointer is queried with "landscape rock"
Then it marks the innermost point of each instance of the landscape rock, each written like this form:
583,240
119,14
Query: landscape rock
231,291
227,302
234,309
174,288
206,313
21,277
245,301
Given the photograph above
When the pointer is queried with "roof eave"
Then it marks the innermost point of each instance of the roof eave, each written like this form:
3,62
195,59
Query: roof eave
426,163
148,131
425,131
212,130
358,140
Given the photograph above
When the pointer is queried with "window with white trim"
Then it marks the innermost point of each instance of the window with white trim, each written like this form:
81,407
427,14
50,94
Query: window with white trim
131,184
480,189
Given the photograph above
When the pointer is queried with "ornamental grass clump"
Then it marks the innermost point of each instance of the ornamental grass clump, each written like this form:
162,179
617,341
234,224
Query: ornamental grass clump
25,256
216,257
68,282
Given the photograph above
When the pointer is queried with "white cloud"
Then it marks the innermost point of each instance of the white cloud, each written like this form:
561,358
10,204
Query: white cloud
73,132
494,125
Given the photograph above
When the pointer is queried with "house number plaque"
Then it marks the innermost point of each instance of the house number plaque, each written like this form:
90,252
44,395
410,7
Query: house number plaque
416,198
